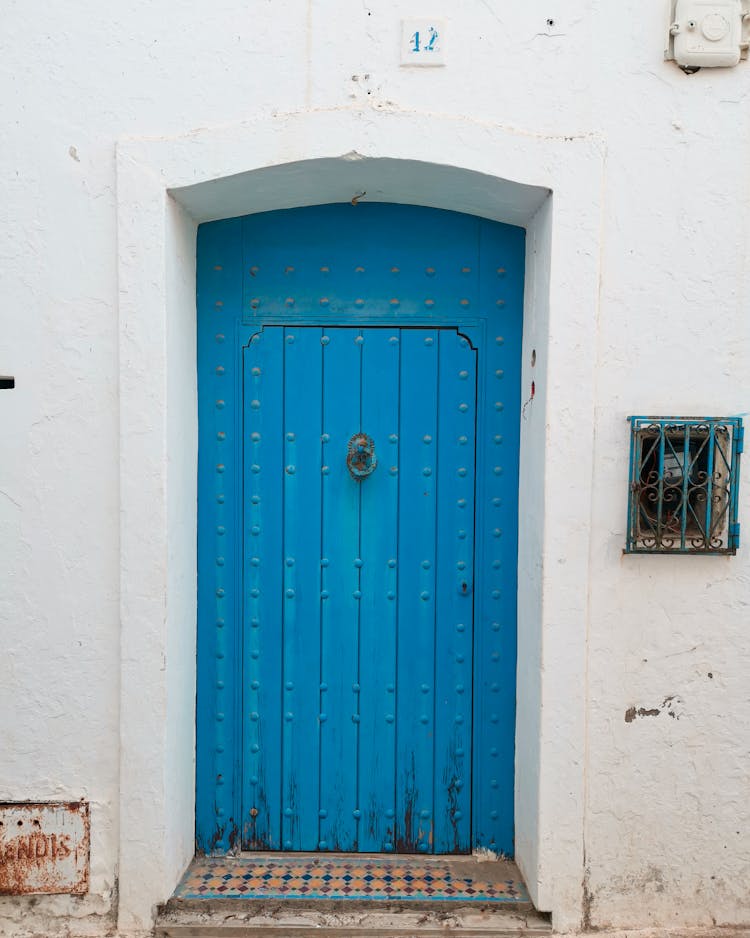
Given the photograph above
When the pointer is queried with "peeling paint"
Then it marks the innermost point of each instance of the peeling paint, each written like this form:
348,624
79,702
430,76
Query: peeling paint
671,705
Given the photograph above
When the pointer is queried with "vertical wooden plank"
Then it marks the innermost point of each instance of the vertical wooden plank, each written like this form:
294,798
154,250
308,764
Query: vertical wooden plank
379,533
263,474
219,537
341,593
454,593
416,590
502,252
301,586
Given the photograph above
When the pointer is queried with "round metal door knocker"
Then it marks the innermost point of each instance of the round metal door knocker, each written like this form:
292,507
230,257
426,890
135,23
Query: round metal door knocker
360,457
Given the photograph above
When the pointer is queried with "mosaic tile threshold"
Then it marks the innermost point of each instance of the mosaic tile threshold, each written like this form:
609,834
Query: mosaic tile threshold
404,879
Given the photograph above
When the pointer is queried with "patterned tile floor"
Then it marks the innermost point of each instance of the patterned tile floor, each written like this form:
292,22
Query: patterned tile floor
279,876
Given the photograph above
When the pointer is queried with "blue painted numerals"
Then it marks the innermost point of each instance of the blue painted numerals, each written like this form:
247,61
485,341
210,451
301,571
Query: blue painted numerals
424,42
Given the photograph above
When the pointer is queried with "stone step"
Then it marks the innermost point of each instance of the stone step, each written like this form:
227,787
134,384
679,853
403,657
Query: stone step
212,918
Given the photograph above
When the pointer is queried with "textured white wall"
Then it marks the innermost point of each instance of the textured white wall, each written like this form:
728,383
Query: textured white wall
666,809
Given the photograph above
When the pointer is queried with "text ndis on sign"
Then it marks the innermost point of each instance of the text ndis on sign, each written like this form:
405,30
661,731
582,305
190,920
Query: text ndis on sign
44,848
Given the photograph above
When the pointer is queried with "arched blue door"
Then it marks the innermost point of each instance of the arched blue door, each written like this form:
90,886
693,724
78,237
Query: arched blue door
359,372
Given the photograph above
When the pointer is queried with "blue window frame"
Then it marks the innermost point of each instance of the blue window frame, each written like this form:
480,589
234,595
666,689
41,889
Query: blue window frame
684,485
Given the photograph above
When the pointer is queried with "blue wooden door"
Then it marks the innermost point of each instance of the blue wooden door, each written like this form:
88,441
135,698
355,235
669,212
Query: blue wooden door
360,588
357,599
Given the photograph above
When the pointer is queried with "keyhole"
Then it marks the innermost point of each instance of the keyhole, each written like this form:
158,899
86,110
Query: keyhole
464,587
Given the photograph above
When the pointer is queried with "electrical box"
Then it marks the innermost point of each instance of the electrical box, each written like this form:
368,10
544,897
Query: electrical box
709,33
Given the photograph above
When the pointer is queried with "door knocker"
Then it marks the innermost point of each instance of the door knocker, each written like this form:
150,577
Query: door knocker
360,458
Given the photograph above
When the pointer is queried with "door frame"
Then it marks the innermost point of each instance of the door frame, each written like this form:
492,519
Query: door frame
552,185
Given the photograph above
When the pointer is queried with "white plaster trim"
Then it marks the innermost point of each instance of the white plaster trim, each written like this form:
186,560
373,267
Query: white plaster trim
305,158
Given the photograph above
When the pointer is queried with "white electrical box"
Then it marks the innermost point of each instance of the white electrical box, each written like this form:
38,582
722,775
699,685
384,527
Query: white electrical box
709,33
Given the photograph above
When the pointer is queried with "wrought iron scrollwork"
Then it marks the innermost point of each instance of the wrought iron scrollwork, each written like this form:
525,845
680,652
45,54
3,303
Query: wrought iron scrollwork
684,482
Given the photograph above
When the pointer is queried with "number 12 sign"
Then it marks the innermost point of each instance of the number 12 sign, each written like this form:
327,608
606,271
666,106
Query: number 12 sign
422,42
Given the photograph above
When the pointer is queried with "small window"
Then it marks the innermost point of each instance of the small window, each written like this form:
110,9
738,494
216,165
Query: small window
684,485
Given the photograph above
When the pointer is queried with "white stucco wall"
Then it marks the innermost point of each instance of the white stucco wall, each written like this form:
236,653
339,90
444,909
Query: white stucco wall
636,823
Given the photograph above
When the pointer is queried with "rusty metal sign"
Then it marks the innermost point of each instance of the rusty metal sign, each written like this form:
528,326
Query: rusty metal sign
44,848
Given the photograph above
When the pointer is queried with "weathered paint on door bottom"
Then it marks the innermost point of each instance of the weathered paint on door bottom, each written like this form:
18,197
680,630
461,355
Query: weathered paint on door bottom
359,404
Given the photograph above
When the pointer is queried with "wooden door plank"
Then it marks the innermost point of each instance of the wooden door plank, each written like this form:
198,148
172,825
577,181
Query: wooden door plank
454,593
263,486
341,593
416,590
379,579
303,372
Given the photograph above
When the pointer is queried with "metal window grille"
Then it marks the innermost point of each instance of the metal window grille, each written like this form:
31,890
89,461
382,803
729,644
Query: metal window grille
684,485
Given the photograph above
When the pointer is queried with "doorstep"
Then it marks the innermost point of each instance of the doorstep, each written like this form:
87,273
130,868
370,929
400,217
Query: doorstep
295,895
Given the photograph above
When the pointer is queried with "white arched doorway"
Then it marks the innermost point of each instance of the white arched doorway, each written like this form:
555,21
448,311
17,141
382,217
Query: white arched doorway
165,187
